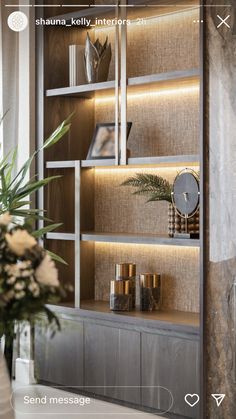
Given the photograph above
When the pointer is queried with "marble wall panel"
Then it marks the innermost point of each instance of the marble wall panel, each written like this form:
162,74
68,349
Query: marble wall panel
221,270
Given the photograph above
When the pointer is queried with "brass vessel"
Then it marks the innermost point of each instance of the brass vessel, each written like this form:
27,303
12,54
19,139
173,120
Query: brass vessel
120,287
124,271
150,280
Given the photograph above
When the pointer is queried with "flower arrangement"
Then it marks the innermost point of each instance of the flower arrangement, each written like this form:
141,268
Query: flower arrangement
28,276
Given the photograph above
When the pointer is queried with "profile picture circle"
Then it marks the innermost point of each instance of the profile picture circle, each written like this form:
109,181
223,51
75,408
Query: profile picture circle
17,21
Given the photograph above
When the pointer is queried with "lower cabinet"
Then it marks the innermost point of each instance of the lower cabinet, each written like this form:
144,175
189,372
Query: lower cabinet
151,368
59,359
112,362
170,370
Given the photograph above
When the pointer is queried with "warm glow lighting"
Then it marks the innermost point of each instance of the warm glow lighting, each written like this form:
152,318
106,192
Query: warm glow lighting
149,95
173,15
163,247
172,171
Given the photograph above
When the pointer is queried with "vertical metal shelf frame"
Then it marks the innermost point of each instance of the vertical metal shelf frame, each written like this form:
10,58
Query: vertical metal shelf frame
77,242
123,86
117,89
40,108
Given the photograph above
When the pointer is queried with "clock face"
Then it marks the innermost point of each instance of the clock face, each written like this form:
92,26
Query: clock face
185,194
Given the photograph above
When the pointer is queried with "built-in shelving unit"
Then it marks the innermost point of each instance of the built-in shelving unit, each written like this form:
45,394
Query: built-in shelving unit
162,102
154,82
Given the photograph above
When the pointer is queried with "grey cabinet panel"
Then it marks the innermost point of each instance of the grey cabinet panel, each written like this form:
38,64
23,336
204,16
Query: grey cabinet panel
172,363
112,362
59,359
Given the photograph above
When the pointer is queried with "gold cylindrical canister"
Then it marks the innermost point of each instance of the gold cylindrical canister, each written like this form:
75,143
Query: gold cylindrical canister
150,280
120,287
150,292
124,271
156,280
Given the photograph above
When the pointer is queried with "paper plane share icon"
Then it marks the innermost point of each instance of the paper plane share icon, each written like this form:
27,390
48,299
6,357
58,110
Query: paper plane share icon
218,398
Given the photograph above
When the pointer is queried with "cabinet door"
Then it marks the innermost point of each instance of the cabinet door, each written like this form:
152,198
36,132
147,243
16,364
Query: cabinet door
59,359
172,363
112,362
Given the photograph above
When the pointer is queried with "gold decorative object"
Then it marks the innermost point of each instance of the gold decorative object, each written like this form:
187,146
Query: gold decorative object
127,271
150,292
120,297
120,287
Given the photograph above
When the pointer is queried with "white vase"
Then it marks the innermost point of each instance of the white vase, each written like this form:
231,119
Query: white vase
6,411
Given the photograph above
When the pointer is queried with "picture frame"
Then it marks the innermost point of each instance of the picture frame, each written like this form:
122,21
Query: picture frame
103,143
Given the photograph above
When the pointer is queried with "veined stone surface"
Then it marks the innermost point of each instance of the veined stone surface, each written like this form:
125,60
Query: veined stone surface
221,220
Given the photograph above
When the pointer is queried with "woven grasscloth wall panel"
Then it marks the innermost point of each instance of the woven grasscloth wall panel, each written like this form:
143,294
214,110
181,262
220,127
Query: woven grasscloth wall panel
161,125
117,210
164,43
179,268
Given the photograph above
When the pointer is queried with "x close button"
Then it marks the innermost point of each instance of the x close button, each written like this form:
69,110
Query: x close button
223,21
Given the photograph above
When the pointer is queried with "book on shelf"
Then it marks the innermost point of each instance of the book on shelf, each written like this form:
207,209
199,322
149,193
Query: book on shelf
76,65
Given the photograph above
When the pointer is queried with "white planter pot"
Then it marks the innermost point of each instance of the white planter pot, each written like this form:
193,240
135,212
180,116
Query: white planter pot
6,411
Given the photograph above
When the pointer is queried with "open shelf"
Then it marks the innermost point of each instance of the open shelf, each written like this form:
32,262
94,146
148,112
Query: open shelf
138,239
98,163
60,236
170,316
84,90
87,90
63,164
126,238
161,161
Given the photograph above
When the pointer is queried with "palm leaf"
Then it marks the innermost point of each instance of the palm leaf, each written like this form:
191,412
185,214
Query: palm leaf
42,231
157,187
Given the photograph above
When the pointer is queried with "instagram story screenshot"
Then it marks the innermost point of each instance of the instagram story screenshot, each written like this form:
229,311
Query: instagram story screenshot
117,209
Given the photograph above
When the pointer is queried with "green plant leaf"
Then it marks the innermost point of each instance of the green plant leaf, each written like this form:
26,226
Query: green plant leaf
61,130
32,187
42,231
56,258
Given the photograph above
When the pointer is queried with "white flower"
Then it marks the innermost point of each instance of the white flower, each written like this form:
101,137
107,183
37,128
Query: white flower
46,273
19,241
19,295
26,273
19,286
5,219
34,288
19,269
11,280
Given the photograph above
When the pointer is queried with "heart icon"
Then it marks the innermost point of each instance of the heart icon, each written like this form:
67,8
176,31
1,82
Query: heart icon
191,399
